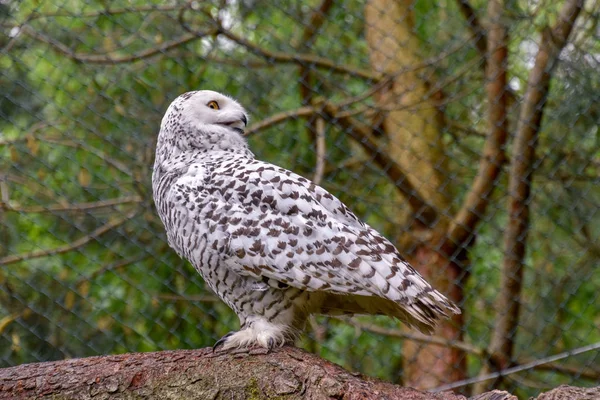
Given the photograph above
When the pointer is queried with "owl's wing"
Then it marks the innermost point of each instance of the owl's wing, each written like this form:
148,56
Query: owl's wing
279,225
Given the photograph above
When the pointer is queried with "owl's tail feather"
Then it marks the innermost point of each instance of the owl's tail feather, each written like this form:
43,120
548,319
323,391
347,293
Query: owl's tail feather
423,314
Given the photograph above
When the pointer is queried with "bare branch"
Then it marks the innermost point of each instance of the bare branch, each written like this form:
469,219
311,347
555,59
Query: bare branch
199,298
317,18
241,63
347,164
480,37
71,246
306,111
492,159
92,150
479,34
109,267
305,73
114,57
281,117
366,94
469,130
75,207
573,370
419,337
519,368
424,212
521,172
68,143
592,374
300,58
33,185
419,104
286,372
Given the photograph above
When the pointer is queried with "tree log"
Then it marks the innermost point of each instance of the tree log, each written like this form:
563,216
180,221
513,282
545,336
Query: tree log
565,392
286,373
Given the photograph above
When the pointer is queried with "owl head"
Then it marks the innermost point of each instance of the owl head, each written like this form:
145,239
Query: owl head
203,121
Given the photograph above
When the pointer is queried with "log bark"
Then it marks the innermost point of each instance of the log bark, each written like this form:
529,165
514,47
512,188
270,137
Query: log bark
565,392
286,373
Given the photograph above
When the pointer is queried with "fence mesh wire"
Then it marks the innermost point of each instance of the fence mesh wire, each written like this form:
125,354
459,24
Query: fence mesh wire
440,123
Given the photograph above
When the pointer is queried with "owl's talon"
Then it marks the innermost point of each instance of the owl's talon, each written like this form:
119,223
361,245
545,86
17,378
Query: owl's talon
222,341
271,344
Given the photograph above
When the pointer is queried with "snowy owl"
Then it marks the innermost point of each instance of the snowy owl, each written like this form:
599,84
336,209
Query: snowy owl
271,244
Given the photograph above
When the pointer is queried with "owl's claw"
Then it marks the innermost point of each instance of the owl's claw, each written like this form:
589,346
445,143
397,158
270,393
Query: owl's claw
246,350
221,341
257,334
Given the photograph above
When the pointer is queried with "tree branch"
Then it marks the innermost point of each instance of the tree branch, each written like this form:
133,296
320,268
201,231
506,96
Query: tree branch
68,247
208,298
278,118
300,58
305,74
492,159
420,337
114,57
286,373
519,368
75,207
521,172
307,111
317,18
109,267
571,370
480,37
424,212
479,34
593,374
67,143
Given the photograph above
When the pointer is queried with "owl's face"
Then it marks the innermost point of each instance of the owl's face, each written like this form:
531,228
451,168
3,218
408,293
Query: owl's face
210,111
201,121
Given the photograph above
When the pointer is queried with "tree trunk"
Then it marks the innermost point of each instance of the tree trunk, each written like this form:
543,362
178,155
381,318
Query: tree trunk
412,126
522,168
287,373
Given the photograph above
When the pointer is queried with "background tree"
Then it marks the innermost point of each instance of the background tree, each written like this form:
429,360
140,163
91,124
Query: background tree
466,132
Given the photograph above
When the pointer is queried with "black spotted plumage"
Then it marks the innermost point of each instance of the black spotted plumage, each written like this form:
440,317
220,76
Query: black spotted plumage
272,244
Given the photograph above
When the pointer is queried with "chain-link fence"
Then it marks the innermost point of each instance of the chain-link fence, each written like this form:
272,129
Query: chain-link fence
466,132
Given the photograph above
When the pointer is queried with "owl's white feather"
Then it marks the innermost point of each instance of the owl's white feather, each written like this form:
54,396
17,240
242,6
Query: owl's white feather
272,244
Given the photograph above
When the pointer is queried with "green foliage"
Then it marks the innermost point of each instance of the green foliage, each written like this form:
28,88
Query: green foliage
78,132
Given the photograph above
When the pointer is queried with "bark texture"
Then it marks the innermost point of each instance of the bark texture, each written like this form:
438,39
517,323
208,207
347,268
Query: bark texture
287,373
412,126
565,392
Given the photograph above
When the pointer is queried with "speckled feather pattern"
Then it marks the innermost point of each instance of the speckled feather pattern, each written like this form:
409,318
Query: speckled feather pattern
270,243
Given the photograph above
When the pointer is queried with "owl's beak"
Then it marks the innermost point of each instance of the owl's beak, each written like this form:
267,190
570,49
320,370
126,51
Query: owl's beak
238,124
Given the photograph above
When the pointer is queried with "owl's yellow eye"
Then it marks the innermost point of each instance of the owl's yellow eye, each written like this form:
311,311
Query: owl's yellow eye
214,105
